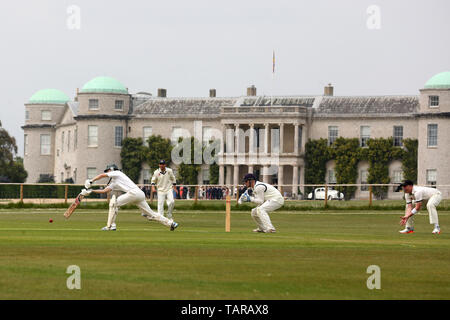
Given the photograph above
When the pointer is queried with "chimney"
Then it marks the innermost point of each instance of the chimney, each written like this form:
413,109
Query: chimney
212,93
328,90
251,91
76,97
162,93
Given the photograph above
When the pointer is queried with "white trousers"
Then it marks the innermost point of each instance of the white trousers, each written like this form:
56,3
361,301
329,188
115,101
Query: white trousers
432,203
136,196
261,213
168,198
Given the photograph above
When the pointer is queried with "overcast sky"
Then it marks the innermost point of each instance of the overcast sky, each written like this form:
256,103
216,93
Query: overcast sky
191,46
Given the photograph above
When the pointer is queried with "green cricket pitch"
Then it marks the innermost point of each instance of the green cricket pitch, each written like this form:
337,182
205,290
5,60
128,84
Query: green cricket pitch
313,255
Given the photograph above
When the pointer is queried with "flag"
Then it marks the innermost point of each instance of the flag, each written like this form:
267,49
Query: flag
273,62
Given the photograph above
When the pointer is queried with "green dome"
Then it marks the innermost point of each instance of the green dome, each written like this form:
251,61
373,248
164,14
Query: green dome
49,96
104,84
439,81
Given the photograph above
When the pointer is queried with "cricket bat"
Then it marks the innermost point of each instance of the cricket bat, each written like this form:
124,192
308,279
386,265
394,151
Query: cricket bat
73,206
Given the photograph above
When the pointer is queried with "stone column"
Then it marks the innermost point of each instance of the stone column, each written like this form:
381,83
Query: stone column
228,175
221,174
222,142
294,179
281,138
280,178
266,173
251,139
236,175
250,168
266,138
296,138
302,180
236,134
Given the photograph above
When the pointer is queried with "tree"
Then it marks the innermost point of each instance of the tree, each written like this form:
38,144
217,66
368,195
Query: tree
346,153
11,167
316,157
132,156
157,148
213,167
409,161
188,172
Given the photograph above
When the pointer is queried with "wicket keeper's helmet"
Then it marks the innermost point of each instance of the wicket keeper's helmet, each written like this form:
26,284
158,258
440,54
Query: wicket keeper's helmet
162,161
249,176
112,167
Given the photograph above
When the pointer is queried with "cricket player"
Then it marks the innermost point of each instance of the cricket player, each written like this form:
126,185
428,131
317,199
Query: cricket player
132,195
268,199
165,181
414,196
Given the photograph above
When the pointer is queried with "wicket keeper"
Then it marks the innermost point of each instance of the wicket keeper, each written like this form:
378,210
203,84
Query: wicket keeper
164,179
132,195
414,196
268,199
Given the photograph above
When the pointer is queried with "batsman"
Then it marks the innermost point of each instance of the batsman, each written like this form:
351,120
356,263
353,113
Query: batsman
268,199
164,180
132,195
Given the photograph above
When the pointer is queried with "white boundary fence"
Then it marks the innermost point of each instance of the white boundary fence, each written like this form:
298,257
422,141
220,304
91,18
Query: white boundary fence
67,192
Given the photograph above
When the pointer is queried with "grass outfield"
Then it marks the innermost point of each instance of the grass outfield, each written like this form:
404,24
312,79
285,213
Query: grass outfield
314,255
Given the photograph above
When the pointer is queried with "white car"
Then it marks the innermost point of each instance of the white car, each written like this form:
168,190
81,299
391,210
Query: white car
319,194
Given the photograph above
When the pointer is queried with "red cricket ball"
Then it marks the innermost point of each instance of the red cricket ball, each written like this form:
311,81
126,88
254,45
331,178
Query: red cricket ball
51,220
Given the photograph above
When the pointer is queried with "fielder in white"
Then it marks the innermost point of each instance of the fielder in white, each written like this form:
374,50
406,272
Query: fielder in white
268,199
132,195
164,180
414,196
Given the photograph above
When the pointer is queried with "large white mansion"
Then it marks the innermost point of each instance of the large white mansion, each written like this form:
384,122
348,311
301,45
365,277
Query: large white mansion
77,139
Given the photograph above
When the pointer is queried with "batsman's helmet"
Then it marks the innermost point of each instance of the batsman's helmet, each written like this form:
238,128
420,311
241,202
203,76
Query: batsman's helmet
162,161
111,167
249,176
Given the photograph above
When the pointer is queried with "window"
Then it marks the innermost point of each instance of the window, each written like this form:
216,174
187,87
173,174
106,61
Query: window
397,177
364,177
118,136
177,132
332,134
46,115
365,135
432,135
62,141
75,138
206,135
27,115
62,177
331,176
92,136
45,144
93,104
431,177
398,136
25,144
68,140
433,101
118,105
91,173
275,140
146,176
147,132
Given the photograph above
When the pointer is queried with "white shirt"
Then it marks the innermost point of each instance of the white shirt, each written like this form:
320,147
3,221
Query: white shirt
164,181
120,181
420,193
264,191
